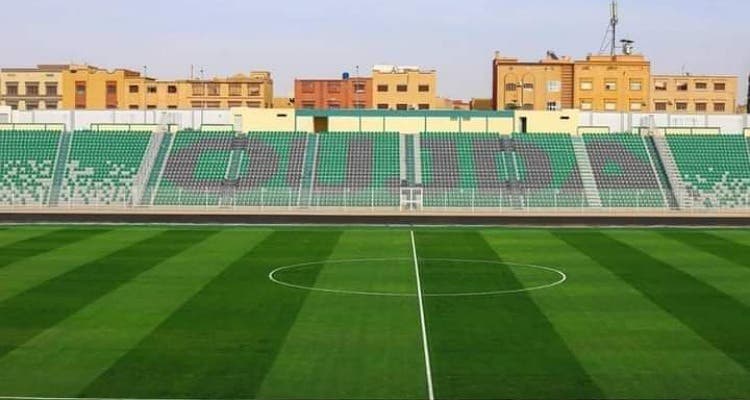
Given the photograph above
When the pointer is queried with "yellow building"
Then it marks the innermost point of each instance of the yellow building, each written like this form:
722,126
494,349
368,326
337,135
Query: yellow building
612,83
37,88
404,88
694,93
546,85
254,90
92,88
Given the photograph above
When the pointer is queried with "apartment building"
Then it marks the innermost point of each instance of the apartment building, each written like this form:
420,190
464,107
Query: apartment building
543,85
404,88
254,90
333,93
694,93
38,88
612,83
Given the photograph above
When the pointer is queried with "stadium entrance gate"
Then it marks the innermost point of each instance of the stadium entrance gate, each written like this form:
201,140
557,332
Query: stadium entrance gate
411,198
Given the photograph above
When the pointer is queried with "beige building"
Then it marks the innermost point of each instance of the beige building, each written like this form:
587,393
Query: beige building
694,93
543,85
612,83
254,90
37,88
404,88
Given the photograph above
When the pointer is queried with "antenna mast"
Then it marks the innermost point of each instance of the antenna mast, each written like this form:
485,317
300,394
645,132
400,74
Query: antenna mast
613,21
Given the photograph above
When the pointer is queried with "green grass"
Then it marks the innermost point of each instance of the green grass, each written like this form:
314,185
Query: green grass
190,312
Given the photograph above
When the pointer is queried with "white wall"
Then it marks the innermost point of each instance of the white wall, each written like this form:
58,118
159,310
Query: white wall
83,119
628,122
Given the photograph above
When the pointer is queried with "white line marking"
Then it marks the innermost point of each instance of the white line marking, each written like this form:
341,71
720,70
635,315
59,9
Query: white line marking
273,278
428,368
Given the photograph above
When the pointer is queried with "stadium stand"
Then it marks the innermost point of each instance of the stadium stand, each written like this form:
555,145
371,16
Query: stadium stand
356,169
625,173
27,163
196,169
714,168
270,169
102,166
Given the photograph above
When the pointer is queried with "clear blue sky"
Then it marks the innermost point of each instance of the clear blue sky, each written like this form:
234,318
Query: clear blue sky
322,38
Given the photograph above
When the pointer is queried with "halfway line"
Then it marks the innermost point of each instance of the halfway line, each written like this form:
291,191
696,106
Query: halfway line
428,369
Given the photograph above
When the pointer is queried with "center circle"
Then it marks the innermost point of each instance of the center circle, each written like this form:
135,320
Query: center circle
447,277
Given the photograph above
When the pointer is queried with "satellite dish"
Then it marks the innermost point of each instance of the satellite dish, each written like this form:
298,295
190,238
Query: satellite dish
627,47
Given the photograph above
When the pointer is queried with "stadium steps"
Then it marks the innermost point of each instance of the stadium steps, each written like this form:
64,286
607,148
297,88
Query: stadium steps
679,190
409,162
587,174
417,154
231,179
143,176
308,170
156,169
515,199
658,166
61,161
402,159
653,159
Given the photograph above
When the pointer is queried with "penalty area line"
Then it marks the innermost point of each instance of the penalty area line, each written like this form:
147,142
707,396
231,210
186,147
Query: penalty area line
428,368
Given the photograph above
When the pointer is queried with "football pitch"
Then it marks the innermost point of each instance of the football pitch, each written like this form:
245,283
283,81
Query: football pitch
222,312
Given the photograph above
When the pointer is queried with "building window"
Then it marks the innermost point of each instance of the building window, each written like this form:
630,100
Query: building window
111,89
11,89
720,87
359,105
610,86
510,87
636,106
253,89
636,85
133,89
197,104
660,106
660,86
13,105
551,106
719,107
32,89
701,107
528,106
197,89
333,87
111,106
308,87
553,86
32,105
172,89
50,105
587,85
359,88
701,85
424,88
50,89
382,106
334,105
586,105
681,106
151,107
382,88
213,89
234,104
610,105
528,86
151,89
213,104
308,104
401,107
133,107
682,87
235,89
401,88
172,107
423,106
253,104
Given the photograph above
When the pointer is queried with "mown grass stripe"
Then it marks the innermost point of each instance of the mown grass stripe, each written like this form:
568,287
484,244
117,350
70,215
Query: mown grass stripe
631,347
350,346
720,319
30,313
32,271
729,250
495,346
34,245
10,236
222,342
100,333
